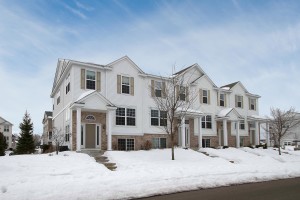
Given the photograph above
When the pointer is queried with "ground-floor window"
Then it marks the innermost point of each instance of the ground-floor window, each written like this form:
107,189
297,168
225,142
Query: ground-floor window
205,143
159,143
287,143
125,144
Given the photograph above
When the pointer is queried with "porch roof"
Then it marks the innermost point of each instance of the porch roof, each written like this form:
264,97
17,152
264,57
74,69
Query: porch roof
189,112
258,118
229,113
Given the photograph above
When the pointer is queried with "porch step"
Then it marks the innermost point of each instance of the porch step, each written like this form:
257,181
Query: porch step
98,155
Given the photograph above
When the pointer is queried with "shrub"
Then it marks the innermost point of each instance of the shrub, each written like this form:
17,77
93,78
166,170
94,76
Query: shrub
225,147
147,145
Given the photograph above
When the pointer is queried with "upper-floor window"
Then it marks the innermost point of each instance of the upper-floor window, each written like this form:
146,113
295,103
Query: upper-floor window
125,85
182,93
125,116
242,125
158,118
58,98
158,88
239,101
205,96
90,80
6,128
252,104
68,84
222,99
207,122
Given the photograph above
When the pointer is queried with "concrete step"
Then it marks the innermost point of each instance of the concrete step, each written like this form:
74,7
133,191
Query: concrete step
101,159
111,166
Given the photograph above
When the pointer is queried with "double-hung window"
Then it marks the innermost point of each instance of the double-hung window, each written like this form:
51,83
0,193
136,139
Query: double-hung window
205,96
158,88
239,101
125,85
207,122
242,125
252,104
90,80
205,143
182,93
222,99
6,128
158,118
125,116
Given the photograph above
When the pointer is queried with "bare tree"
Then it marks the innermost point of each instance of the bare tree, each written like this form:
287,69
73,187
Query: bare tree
280,123
175,99
58,138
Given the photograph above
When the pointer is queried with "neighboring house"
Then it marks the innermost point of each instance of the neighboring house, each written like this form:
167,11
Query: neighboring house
292,137
47,128
6,129
111,107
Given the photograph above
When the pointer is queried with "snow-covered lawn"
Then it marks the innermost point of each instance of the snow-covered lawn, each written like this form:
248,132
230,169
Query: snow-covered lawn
71,175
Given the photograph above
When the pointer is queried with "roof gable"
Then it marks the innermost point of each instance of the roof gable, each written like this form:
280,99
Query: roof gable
92,99
230,113
232,85
4,121
128,60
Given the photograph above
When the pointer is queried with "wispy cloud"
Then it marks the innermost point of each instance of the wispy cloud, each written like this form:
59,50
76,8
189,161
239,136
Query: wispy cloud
75,11
83,6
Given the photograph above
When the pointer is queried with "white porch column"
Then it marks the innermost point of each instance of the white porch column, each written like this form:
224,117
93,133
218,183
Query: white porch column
256,133
108,128
78,129
225,132
183,132
268,134
200,132
237,134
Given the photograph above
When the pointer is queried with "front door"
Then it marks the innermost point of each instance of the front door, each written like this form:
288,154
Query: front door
90,136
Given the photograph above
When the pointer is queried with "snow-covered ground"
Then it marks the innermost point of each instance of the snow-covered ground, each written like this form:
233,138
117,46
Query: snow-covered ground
71,175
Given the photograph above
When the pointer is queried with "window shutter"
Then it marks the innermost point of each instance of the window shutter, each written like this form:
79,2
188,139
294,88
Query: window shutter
208,96
187,94
99,81
236,101
249,103
201,95
119,84
218,99
152,88
163,90
132,86
177,91
242,102
225,100
82,85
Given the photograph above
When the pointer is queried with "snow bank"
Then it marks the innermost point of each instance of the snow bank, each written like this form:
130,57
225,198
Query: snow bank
73,175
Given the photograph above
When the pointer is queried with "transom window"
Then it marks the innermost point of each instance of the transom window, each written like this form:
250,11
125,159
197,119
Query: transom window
125,144
252,104
205,143
90,80
207,122
159,143
222,99
125,85
182,93
6,128
239,102
158,88
90,117
205,96
158,118
125,116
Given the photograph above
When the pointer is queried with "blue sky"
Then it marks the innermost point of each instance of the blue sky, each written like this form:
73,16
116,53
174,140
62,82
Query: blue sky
256,42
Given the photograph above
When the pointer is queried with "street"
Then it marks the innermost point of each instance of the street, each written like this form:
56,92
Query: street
286,189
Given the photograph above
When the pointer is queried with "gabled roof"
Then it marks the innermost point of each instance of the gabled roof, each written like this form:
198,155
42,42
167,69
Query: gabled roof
91,93
4,121
183,70
226,111
48,113
231,85
129,60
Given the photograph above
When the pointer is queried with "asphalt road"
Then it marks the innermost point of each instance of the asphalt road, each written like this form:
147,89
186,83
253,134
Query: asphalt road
286,189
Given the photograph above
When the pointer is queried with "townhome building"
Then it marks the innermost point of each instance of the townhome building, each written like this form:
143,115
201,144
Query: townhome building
6,129
112,107
47,128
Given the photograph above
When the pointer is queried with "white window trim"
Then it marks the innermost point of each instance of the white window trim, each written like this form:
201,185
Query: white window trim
126,116
159,117
86,79
239,101
205,121
126,143
125,84
221,99
180,93
205,96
